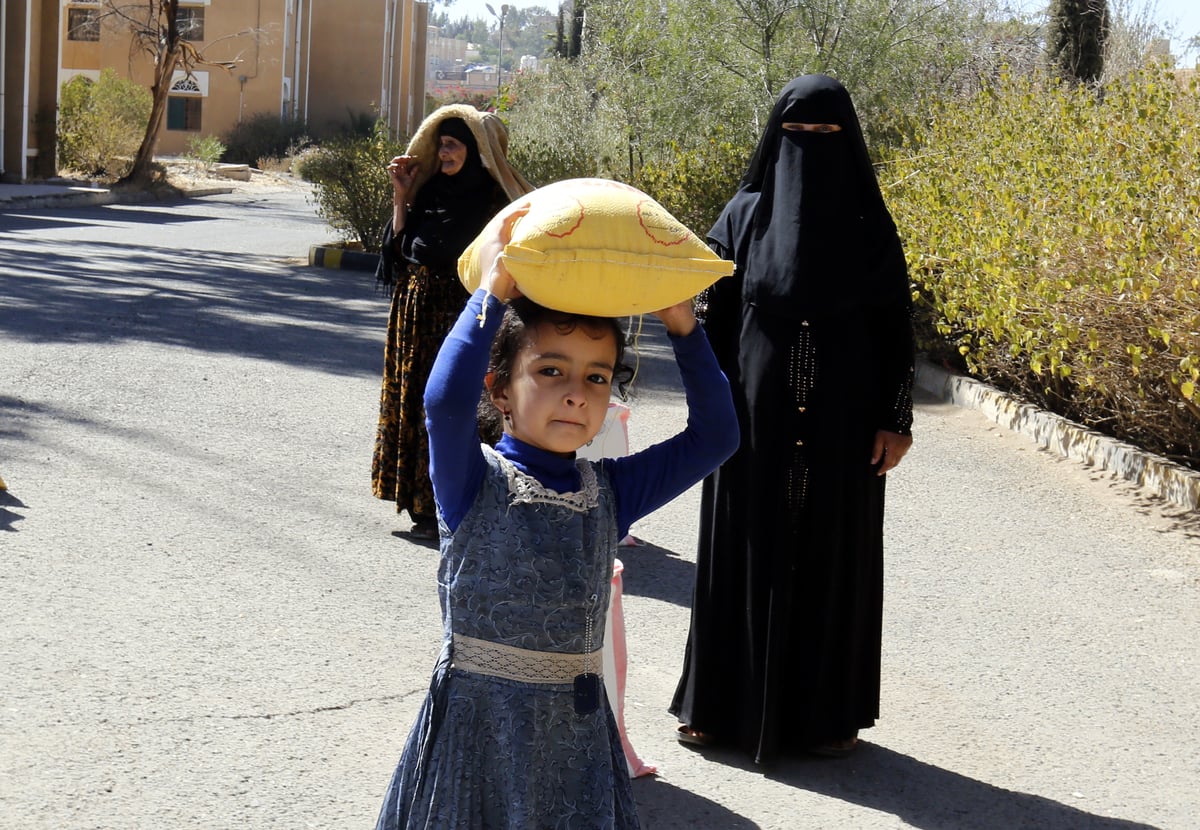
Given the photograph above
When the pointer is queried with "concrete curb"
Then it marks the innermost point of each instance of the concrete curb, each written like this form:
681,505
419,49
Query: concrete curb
328,256
1165,479
83,197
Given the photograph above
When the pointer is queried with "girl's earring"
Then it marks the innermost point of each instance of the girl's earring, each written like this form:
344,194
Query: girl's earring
508,417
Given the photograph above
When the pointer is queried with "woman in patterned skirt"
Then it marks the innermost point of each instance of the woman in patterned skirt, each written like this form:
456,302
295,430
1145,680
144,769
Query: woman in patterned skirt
452,179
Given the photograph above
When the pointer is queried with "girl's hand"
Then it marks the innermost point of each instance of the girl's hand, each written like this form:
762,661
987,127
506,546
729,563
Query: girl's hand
402,172
679,319
496,279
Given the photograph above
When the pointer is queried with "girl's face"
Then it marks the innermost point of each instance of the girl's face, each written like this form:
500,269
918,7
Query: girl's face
558,393
452,154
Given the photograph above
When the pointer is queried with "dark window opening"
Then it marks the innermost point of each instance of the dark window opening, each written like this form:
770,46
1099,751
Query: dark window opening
183,113
190,22
83,24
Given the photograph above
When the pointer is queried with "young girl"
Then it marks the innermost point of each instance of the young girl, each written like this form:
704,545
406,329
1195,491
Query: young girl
516,732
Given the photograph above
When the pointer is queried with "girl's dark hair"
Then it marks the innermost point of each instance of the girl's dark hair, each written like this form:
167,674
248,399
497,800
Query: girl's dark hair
522,315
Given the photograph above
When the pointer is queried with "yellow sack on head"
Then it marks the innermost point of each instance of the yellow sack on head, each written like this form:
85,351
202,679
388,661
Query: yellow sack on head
599,247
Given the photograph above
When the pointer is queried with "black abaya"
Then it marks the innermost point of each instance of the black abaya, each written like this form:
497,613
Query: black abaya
784,648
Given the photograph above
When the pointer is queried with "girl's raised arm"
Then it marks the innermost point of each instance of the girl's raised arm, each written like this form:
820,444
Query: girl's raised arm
456,464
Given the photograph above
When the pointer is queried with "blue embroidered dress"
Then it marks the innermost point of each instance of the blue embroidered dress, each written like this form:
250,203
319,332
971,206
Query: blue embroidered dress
527,545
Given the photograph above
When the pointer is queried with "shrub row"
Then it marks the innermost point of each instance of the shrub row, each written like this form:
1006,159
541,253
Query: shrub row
350,184
1053,234
263,136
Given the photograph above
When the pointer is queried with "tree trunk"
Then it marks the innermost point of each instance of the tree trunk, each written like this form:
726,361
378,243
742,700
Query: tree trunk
166,60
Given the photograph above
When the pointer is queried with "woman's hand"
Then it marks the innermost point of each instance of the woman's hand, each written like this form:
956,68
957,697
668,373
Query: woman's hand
889,448
490,253
402,172
679,318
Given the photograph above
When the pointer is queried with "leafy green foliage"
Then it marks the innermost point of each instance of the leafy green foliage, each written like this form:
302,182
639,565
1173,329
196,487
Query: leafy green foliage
556,129
609,111
1054,238
263,135
101,123
206,150
695,184
351,188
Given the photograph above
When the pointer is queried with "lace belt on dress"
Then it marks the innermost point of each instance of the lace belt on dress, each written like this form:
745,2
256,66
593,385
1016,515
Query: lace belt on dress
521,664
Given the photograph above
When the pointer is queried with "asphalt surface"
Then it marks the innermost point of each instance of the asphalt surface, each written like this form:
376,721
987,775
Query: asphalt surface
210,623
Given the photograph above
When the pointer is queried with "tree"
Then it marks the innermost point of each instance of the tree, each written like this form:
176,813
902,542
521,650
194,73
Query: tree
560,36
155,32
664,92
1078,31
578,13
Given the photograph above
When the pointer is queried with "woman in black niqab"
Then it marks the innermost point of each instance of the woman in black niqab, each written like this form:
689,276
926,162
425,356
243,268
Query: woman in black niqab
814,332
809,210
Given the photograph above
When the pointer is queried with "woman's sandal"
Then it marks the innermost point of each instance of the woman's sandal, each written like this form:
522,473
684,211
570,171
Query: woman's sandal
835,749
691,737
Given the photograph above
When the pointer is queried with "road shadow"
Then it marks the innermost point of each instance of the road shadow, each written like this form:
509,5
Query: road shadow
24,420
231,303
17,415
427,544
7,517
14,218
661,804
1177,519
657,573
922,795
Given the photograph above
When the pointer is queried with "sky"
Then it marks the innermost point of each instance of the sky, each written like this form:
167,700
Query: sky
1184,12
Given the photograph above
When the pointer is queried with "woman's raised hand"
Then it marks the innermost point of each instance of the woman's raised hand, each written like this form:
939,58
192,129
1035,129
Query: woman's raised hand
402,171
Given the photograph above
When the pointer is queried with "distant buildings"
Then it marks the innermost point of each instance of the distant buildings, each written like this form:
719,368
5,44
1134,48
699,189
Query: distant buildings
322,62
454,68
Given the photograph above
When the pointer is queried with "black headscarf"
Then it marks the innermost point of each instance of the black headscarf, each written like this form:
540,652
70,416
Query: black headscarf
450,211
808,227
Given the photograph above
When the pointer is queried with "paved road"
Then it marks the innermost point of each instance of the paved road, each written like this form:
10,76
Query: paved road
209,622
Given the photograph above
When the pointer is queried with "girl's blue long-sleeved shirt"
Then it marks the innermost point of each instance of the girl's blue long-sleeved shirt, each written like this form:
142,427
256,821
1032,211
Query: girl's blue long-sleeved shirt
641,482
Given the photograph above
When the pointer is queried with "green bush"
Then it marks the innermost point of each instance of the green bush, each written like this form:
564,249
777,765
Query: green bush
695,184
101,124
350,184
263,136
556,130
207,150
1054,237
570,122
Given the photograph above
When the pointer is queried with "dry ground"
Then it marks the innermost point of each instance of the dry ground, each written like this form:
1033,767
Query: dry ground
190,175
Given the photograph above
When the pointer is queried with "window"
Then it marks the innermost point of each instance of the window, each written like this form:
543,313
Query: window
183,113
83,24
190,21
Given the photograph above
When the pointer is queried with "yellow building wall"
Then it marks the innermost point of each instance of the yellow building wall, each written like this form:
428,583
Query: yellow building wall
347,66
372,63
78,54
315,60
